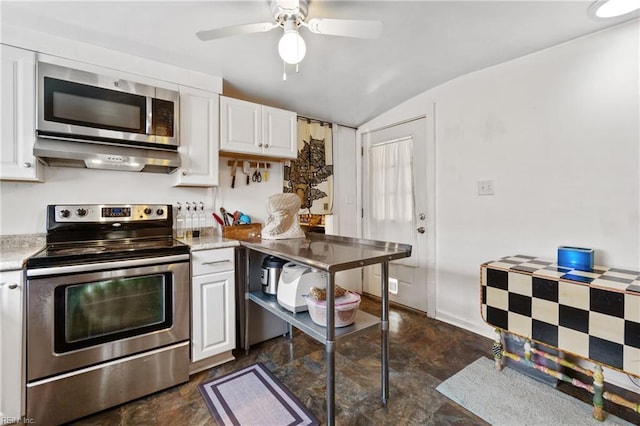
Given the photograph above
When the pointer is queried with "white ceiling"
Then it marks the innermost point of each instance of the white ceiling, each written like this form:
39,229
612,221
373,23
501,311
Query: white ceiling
343,80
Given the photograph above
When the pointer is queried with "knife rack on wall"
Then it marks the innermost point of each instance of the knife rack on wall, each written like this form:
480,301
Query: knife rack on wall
254,164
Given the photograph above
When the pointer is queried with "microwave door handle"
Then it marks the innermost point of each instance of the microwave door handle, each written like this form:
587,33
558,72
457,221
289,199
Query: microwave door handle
149,115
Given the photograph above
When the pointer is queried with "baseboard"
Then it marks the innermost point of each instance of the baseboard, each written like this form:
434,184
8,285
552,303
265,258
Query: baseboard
482,329
205,364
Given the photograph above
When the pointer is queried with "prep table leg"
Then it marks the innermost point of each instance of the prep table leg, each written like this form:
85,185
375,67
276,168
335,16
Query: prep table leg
331,350
246,301
384,277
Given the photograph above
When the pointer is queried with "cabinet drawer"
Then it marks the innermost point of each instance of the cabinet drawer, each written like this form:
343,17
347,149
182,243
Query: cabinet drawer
211,261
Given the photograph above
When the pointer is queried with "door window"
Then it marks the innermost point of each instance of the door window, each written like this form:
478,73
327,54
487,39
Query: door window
391,197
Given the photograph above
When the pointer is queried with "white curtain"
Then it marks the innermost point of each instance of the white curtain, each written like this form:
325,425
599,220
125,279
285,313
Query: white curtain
391,189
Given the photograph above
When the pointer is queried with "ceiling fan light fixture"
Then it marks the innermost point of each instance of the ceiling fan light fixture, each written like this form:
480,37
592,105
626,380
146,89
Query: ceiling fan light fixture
613,8
292,47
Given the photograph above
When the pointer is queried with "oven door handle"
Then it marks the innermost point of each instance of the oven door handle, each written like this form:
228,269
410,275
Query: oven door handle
119,264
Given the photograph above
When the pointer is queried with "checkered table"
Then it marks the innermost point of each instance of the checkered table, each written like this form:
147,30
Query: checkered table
594,315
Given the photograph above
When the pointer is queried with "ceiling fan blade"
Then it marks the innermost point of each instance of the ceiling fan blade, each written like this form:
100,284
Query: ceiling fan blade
345,27
235,30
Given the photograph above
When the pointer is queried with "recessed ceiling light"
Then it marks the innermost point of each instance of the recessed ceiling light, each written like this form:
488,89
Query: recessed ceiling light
613,8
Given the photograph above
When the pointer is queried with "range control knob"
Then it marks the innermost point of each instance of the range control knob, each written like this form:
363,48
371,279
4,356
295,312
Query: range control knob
65,213
148,211
159,212
81,212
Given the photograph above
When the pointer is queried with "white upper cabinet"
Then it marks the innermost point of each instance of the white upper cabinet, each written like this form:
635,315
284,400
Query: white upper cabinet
198,138
280,132
17,115
254,129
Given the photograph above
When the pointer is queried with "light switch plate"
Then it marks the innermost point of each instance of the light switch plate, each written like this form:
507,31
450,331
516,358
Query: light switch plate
486,187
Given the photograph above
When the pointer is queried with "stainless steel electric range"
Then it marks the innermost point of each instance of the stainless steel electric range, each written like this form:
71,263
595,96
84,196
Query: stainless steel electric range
107,310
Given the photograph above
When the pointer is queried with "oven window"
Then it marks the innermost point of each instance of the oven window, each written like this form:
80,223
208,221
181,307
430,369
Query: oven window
97,312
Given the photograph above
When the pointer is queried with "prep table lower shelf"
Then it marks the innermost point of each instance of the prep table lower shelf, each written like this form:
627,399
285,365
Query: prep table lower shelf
303,321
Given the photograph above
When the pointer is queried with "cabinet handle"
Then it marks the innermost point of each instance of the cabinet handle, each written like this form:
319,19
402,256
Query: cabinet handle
184,173
214,262
260,144
266,145
11,286
27,165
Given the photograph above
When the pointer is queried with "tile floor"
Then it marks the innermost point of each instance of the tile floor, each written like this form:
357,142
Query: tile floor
423,353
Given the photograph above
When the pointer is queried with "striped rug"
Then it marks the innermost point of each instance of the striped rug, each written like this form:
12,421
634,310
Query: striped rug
254,396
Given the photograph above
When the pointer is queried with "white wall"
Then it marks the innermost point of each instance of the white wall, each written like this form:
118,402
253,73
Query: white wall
250,199
345,218
23,208
558,132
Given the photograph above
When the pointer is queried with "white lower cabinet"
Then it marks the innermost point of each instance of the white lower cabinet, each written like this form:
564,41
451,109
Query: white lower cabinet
213,322
12,384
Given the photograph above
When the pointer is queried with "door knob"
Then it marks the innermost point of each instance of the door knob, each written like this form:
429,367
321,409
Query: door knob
421,230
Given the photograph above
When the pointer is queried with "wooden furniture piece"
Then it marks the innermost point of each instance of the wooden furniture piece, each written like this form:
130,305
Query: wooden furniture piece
330,254
591,315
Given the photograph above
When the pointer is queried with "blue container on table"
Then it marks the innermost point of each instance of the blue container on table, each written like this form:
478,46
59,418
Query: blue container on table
575,258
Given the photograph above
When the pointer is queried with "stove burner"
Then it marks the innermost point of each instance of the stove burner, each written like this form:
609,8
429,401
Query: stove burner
105,246
58,251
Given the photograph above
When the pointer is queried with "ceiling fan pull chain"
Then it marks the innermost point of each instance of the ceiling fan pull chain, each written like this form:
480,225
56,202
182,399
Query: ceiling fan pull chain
297,68
284,71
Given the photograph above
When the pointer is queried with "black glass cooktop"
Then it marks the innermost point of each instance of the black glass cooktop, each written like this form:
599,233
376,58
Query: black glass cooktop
82,252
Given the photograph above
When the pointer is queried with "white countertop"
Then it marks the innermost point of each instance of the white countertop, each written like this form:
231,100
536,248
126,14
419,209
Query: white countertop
209,241
15,249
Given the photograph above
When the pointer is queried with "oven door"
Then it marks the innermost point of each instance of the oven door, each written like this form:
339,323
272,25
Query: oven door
83,315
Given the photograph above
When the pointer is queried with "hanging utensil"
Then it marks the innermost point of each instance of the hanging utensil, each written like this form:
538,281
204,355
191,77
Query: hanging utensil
233,174
265,175
246,169
257,176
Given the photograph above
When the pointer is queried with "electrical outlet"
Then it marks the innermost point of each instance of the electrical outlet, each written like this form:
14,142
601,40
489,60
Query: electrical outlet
393,285
486,187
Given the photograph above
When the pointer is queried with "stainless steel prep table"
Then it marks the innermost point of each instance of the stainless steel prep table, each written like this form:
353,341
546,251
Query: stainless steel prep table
330,254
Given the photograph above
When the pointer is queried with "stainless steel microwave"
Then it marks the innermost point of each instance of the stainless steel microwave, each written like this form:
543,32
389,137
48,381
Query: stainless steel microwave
82,106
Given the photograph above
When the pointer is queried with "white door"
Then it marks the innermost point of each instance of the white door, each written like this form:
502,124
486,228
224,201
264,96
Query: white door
396,183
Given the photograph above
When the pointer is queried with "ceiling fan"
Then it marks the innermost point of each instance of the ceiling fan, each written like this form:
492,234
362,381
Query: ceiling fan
290,15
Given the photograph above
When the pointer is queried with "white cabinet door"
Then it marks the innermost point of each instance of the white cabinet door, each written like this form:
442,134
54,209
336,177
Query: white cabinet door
214,328
198,138
280,132
240,126
17,114
11,341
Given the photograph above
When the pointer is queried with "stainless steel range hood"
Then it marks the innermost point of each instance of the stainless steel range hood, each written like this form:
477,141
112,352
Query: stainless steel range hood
67,153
